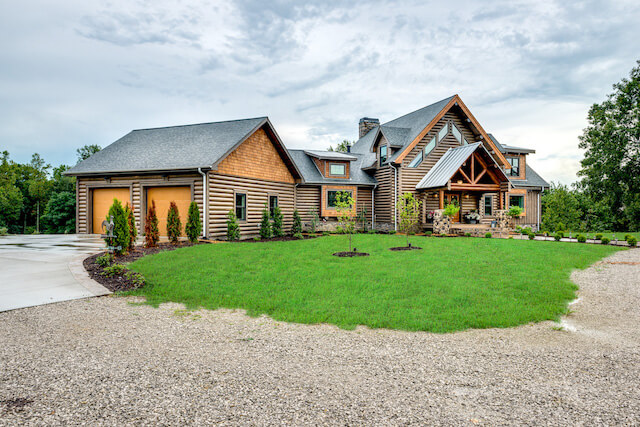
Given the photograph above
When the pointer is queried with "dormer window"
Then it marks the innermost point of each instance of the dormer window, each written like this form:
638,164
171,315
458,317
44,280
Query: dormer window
515,166
383,154
337,169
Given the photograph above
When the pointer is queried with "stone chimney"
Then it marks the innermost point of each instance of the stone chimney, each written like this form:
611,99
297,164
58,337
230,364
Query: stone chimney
366,124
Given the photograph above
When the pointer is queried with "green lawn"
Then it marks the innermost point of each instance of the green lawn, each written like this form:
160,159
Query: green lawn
452,284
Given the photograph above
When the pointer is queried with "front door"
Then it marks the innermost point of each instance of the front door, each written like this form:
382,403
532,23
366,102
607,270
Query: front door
455,199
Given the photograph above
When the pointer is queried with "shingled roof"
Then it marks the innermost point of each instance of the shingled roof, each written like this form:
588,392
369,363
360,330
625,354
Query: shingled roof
311,174
175,148
533,179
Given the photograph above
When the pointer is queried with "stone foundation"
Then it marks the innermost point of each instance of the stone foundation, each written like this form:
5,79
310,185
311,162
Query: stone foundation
441,223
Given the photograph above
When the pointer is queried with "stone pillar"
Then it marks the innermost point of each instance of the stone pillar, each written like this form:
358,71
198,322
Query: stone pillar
441,223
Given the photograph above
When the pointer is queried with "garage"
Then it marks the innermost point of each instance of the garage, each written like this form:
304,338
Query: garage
102,201
163,196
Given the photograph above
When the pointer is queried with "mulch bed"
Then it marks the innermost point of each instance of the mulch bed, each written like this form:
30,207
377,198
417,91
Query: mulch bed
125,281
405,248
350,254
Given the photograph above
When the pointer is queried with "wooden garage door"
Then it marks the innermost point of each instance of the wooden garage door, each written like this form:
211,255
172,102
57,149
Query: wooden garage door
165,195
102,201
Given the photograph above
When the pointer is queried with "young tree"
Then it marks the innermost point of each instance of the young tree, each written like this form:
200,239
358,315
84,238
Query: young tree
265,224
174,225
296,228
409,214
87,151
346,215
194,225
151,231
315,220
276,226
131,223
560,209
120,227
362,217
611,164
233,228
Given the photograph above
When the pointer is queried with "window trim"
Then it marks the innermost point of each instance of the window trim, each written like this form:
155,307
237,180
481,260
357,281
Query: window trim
510,159
235,204
386,155
521,196
484,205
269,196
344,168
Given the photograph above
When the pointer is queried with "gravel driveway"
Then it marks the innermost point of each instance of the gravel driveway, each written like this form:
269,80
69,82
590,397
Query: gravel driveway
109,361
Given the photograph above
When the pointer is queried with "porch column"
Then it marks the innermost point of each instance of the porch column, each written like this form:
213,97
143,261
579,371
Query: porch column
441,199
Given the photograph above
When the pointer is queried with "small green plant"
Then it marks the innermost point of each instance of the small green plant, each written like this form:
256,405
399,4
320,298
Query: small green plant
339,230
151,232
194,225
257,239
104,260
626,237
557,237
531,235
443,234
487,236
392,231
467,234
174,225
233,228
362,218
605,240
428,233
135,278
346,216
314,221
409,214
3,231
632,241
114,270
298,236
511,237
326,233
276,226
296,228
371,232
580,238
560,233
514,211
599,236
265,224
451,210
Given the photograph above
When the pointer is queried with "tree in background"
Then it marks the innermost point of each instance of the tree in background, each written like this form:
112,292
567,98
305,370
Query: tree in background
151,231
233,228
276,226
11,199
174,225
409,214
265,224
346,215
120,227
131,223
341,147
560,209
60,213
296,228
87,151
611,164
194,225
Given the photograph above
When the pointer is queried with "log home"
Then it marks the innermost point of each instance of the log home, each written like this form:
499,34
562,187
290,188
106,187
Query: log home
439,152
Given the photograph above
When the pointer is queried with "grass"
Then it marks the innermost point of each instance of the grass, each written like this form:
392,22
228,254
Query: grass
452,284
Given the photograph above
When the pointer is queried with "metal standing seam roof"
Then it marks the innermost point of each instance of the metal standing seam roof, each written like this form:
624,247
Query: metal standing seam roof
184,147
311,174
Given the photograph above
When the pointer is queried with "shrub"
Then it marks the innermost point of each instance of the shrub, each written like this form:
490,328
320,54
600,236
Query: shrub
296,228
339,230
557,237
136,278
233,228
194,225
428,233
626,237
104,260
276,226
265,224
443,234
131,223
531,235
326,233
605,240
114,270
511,237
3,231
120,227
371,232
392,231
560,233
151,232
580,238
632,241
488,235
451,210
298,236
174,225
467,234
599,236
514,211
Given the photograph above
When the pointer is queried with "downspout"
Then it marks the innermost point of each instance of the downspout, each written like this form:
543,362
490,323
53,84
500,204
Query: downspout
205,203
395,196
373,207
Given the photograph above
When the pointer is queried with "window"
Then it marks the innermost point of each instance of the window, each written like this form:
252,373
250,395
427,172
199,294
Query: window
430,146
488,205
337,169
416,162
456,133
443,132
516,201
273,203
241,206
383,154
515,166
332,197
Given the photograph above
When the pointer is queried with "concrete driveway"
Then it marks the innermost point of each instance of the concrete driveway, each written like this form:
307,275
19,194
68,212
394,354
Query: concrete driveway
41,269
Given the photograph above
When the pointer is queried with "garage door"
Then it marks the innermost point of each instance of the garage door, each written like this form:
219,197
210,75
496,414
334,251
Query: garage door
165,195
102,201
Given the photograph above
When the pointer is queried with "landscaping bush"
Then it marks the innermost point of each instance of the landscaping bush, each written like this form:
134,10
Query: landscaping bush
265,224
560,233
120,227
298,236
233,228
3,231
443,234
276,226
371,232
557,237
392,231
451,210
194,225
326,233
599,236
114,270
296,228
632,241
151,232
104,260
514,211
580,238
487,236
428,233
605,240
174,225
467,234
131,222
531,235
626,237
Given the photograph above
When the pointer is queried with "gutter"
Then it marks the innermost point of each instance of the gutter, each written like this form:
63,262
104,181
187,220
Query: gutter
395,196
205,202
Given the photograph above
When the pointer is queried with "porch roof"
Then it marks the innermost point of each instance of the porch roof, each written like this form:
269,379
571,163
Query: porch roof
450,162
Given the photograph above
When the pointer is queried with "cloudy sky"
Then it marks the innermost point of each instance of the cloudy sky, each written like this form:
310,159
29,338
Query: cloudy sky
87,72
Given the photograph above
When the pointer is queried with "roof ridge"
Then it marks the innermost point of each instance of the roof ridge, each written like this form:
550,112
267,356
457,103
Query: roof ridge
421,108
204,123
